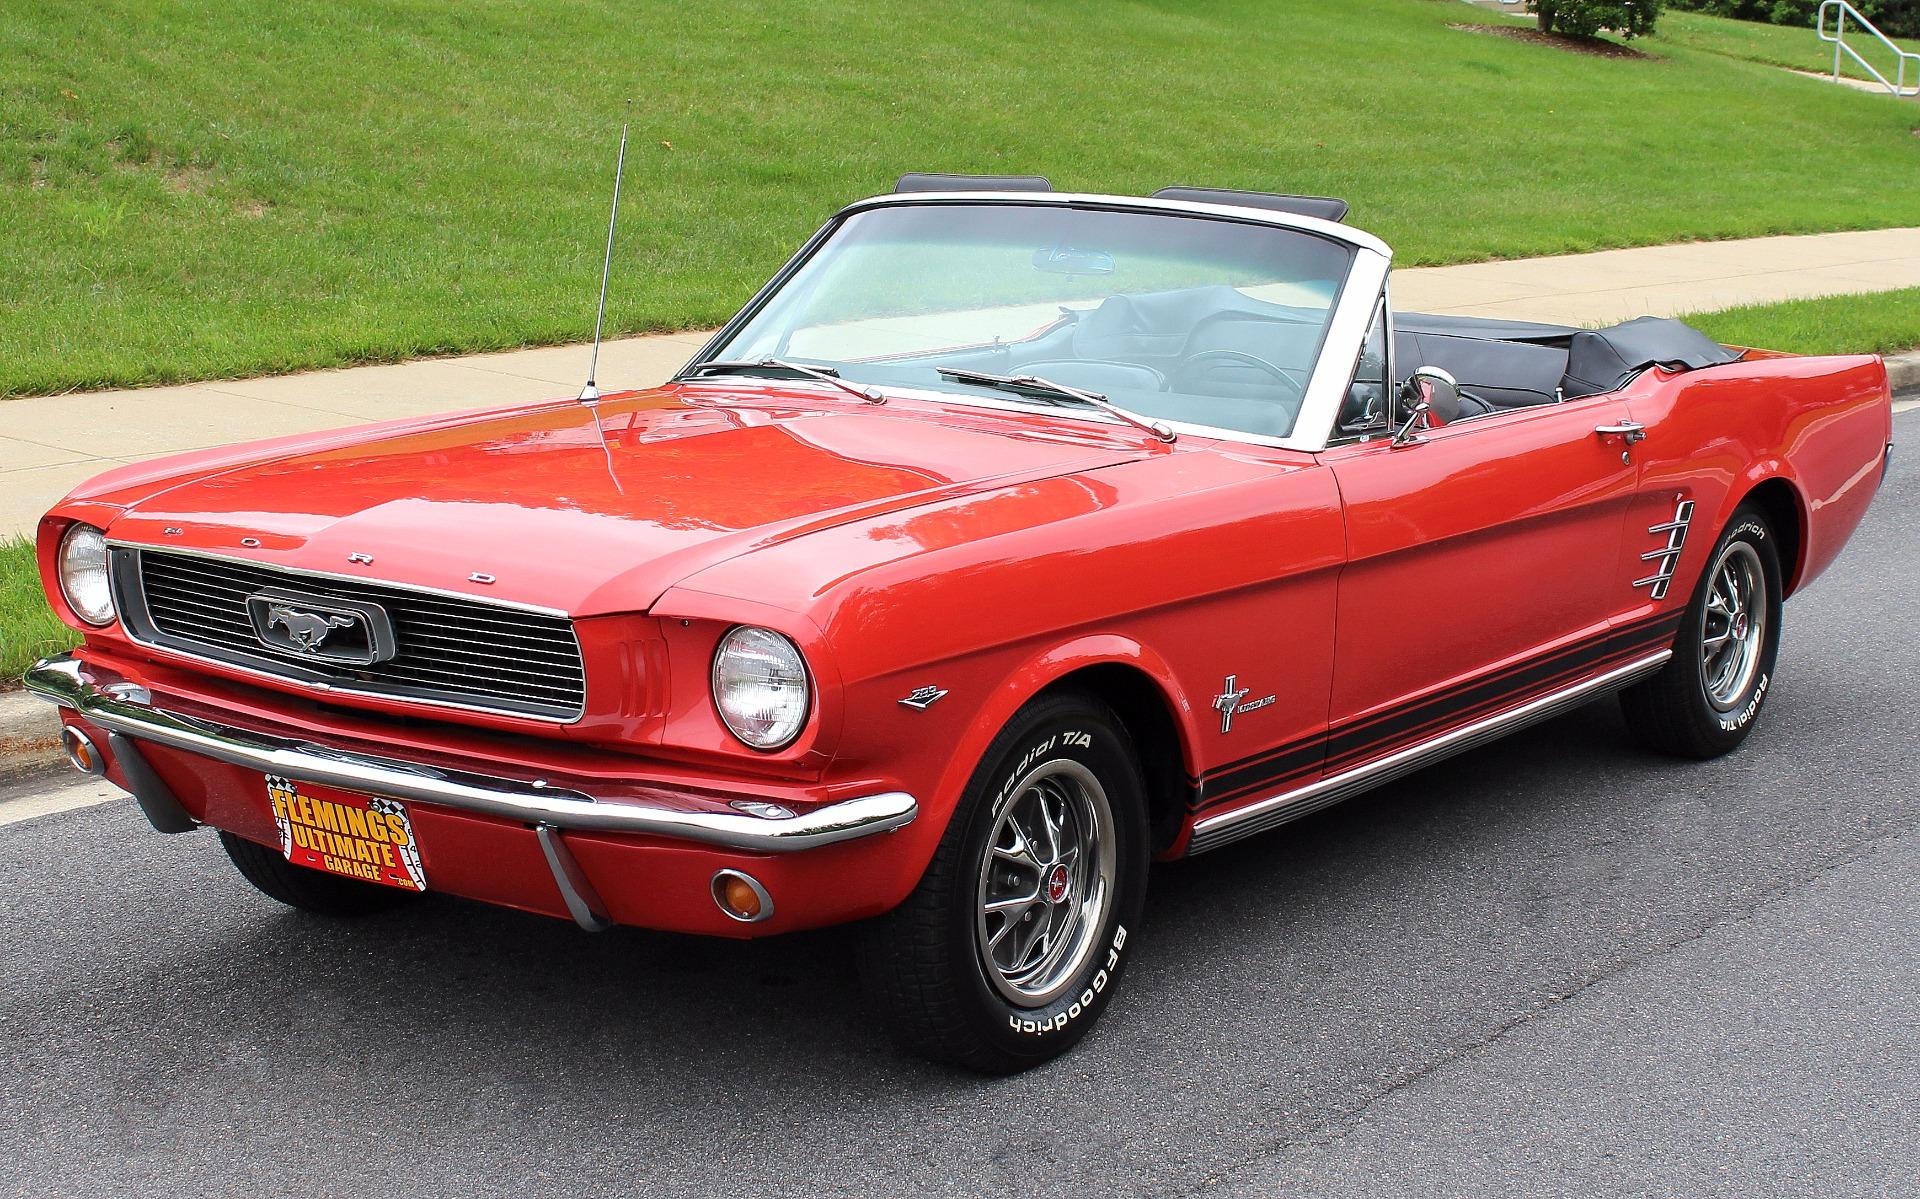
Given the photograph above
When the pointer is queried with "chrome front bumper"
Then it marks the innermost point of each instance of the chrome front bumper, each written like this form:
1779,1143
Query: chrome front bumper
127,709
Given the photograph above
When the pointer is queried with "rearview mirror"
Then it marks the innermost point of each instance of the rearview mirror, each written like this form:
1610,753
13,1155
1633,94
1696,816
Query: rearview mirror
1431,399
1067,260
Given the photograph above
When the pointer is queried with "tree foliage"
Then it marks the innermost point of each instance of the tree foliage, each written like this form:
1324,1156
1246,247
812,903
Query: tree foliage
1896,18
1584,18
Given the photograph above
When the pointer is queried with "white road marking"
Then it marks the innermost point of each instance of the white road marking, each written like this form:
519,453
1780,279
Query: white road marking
1900,406
65,798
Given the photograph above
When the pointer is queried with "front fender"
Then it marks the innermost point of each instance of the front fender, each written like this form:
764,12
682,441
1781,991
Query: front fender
1041,670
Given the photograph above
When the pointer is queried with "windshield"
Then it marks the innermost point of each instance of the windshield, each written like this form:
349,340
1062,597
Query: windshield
1207,322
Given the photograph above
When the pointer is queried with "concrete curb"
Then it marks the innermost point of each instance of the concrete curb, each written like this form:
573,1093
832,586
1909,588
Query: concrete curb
29,732
1903,370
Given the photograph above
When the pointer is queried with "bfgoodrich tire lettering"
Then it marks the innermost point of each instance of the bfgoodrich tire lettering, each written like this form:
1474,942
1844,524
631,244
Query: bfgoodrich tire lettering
1016,937
1705,700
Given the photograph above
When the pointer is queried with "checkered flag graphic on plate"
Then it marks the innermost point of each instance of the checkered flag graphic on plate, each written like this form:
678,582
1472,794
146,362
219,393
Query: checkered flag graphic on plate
282,794
410,852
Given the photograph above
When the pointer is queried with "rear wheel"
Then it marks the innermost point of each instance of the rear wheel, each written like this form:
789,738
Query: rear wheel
1013,942
305,888
1705,700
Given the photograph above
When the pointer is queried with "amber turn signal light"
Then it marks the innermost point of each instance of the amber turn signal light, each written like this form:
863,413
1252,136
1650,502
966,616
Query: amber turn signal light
741,896
81,753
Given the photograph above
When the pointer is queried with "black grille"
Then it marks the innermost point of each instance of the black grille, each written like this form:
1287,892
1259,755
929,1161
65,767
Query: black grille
448,649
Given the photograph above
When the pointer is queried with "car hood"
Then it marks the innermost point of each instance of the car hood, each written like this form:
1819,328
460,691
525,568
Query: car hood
547,506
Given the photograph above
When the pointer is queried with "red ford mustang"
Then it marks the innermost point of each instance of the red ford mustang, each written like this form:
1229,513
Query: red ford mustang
1006,541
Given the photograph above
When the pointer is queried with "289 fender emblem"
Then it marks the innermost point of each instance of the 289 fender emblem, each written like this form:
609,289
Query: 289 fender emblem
922,698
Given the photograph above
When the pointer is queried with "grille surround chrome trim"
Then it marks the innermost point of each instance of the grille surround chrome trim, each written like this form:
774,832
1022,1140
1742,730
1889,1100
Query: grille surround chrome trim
127,710
130,594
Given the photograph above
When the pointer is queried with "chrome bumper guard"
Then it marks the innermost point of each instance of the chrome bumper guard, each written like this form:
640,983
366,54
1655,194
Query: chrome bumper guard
127,709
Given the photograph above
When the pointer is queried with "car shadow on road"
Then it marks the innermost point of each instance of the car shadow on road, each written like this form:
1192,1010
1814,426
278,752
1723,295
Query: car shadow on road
1288,922
1279,985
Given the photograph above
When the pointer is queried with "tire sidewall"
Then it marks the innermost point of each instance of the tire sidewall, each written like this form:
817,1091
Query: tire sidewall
1730,727
1085,733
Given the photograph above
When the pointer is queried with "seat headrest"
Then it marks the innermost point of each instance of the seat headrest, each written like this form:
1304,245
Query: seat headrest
1324,207
920,181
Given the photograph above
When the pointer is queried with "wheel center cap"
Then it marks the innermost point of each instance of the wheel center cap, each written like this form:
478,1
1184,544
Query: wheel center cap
1740,626
1058,883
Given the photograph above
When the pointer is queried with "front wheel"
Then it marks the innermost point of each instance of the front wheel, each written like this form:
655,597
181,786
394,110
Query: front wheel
1704,702
1013,942
307,889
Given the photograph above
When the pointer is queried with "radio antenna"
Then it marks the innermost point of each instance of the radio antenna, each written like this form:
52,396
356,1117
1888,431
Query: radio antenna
590,394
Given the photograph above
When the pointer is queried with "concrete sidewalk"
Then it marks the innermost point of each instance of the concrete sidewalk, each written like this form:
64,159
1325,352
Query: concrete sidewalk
48,444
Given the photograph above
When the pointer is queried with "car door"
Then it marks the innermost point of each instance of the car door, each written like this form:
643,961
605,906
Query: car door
1481,562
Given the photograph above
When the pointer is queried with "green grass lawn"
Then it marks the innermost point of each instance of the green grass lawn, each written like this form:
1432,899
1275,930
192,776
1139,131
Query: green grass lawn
28,628
1778,45
191,189
1873,324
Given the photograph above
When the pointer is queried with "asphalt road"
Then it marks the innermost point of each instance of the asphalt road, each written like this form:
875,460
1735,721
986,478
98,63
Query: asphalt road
1553,966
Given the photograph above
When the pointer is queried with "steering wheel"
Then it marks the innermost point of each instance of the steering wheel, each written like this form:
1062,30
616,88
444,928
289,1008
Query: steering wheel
1292,378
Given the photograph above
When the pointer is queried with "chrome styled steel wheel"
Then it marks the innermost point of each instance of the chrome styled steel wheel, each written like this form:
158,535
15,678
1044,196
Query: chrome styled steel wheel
1045,882
1705,700
1018,933
1733,631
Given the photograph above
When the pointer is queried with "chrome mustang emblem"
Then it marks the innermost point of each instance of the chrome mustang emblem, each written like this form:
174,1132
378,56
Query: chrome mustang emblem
306,630
1232,701
338,631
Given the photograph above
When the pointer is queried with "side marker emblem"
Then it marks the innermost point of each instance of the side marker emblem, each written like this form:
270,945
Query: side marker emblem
923,698
1232,701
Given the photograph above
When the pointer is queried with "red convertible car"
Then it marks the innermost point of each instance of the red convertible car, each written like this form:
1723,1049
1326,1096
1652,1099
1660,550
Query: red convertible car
1007,541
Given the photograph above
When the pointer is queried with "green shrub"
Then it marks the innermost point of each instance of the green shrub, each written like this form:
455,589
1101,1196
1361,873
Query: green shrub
1584,18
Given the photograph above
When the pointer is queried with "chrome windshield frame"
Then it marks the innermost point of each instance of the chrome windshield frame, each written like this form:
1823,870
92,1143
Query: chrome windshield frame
1349,316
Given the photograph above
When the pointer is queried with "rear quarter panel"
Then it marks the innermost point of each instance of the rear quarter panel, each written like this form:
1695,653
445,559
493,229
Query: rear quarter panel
1821,425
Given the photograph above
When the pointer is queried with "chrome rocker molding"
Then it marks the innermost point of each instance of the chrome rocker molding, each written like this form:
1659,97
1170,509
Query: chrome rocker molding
127,710
1276,810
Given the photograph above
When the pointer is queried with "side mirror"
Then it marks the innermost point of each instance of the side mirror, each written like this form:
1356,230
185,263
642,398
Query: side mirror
1431,399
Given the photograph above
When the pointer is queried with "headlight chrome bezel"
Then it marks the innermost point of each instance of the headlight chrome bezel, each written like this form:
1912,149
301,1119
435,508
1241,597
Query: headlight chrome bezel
778,735
71,588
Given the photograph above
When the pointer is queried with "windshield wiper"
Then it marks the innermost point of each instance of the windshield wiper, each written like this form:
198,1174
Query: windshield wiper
825,374
1035,385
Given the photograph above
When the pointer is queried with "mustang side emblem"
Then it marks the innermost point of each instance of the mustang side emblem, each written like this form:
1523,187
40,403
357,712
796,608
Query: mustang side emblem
1229,702
922,698
337,631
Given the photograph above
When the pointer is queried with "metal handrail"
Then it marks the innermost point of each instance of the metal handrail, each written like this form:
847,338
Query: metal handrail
1842,10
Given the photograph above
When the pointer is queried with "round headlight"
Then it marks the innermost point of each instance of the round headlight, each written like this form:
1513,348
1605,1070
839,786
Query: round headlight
760,686
83,574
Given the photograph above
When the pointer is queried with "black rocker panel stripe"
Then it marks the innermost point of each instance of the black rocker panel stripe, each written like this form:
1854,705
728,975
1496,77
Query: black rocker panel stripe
1386,730
1307,754
1642,624
1357,741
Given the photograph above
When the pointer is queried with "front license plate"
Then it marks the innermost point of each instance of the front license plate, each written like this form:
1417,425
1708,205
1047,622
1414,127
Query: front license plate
341,832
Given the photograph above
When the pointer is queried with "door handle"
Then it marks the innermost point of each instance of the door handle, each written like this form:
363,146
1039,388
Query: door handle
1632,431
